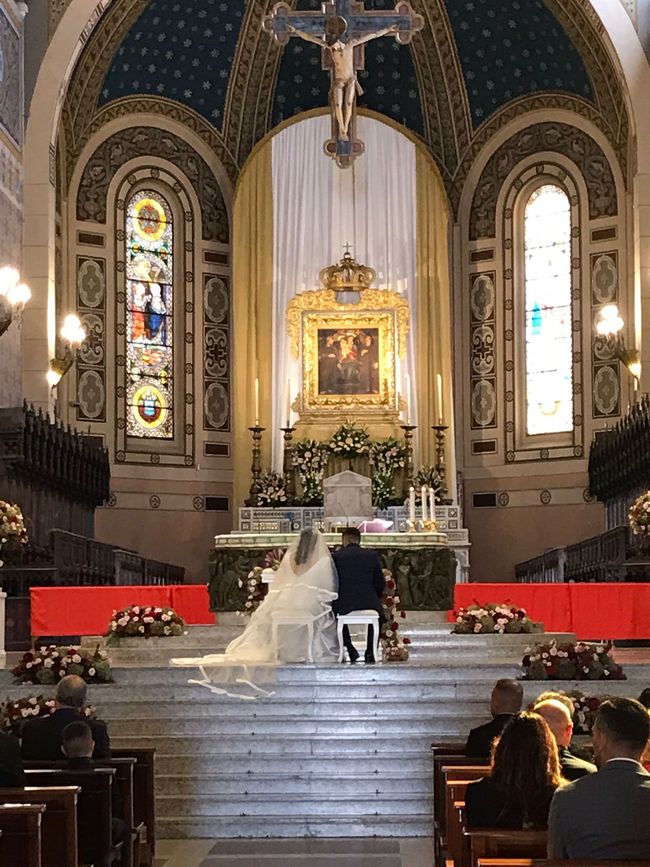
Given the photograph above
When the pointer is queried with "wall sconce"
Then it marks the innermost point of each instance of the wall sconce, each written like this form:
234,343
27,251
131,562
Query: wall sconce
609,326
13,297
74,334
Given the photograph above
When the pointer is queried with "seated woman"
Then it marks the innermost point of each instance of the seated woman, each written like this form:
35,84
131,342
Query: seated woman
525,774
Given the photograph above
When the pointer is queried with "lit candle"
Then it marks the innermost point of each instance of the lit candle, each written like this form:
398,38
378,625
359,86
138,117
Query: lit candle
257,401
440,413
423,497
408,399
432,504
289,402
412,504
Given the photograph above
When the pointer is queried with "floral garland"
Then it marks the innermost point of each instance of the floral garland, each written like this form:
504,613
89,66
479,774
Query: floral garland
14,714
571,661
386,457
49,664
13,531
256,587
140,621
271,490
310,459
349,441
639,515
395,647
493,618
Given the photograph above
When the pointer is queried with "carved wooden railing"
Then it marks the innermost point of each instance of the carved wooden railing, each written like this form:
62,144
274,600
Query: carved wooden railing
619,460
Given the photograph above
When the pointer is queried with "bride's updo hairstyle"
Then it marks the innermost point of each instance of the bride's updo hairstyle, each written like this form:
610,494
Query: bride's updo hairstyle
306,545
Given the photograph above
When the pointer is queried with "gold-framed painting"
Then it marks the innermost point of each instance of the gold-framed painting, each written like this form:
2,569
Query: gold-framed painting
348,360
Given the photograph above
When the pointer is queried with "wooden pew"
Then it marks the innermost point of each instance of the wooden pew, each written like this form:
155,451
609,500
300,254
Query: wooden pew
20,843
59,822
94,809
144,804
443,765
504,843
541,862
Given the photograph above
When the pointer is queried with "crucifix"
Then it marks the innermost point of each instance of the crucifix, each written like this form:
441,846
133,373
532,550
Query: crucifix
341,29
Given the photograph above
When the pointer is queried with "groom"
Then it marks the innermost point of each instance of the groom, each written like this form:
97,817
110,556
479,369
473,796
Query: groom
361,586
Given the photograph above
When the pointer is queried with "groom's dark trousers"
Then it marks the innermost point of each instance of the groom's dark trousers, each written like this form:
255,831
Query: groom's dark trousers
361,586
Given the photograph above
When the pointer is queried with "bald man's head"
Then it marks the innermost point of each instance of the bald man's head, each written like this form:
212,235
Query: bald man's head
557,717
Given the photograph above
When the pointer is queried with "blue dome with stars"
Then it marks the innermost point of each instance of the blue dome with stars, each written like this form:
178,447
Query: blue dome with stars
507,49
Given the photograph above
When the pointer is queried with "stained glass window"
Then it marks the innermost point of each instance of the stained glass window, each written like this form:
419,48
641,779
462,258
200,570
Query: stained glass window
547,262
149,316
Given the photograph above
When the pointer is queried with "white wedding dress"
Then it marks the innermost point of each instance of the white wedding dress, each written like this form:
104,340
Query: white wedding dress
306,589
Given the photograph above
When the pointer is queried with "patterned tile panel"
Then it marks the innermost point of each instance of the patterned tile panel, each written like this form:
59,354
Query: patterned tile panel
11,88
482,299
91,364
605,368
216,353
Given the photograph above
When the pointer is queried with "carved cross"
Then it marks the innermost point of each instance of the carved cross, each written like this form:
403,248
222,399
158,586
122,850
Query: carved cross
341,29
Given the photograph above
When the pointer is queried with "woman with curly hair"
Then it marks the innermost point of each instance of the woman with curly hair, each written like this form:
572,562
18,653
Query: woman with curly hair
525,774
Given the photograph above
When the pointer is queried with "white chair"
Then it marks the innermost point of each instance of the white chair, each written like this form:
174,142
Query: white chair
289,618
367,617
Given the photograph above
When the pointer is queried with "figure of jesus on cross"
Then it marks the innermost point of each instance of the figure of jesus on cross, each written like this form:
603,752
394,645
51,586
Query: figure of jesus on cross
341,30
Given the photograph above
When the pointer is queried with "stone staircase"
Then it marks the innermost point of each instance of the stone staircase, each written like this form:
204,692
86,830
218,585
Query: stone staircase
338,750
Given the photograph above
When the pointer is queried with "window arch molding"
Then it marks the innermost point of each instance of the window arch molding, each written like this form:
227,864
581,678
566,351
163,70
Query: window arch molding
523,183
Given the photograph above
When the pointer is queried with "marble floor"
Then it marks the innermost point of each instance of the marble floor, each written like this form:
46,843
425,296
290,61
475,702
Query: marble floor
311,852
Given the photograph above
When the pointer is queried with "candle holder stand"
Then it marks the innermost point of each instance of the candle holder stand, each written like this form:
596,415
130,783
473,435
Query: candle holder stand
287,464
256,465
408,429
440,430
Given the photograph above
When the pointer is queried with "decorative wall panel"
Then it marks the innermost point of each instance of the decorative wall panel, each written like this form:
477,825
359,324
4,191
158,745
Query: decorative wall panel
91,363
11,79
605,368
216,353
11,221
483,350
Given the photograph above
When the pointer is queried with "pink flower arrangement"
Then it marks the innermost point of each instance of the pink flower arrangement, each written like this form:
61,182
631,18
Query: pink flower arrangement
571,661
48,665
13,714
493,618
145,621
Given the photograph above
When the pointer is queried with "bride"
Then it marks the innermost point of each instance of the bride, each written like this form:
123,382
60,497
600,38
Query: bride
305,585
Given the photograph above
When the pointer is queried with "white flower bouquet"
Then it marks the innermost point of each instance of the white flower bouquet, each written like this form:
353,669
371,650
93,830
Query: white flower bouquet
639,515
271,490
48,665
493,619
349,441
145,621
13,531
571,661
13,714
310,458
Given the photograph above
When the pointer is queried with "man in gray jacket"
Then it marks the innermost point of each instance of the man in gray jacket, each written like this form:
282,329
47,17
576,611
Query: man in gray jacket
607,814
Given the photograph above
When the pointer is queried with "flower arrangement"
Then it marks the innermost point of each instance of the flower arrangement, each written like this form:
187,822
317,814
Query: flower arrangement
310,459
639,515
585,710
145,621
395,648
349,441
426,477
13,714
49,664
571,661
254,584
493,618
386,457
13,531
271,490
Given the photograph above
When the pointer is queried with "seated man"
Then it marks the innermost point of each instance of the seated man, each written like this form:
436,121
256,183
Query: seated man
560,722
605,815
506,700
77,745
11,763
41,738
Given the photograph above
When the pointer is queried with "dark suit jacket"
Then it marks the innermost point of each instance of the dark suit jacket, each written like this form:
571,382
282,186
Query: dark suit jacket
479,742
41,738
487,806
11,762
603,815
361,580
573,767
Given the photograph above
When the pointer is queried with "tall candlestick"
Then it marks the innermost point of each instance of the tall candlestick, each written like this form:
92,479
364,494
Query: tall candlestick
408,399
257,401
289,402
412,505
423,497
440,412
432,504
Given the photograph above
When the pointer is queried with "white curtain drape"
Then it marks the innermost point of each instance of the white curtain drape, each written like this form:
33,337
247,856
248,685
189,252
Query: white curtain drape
317,209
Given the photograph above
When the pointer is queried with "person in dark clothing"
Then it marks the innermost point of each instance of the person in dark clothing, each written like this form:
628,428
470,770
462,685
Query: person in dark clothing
557,717
77,746
12,774
361,586
42,738
525,775
506,700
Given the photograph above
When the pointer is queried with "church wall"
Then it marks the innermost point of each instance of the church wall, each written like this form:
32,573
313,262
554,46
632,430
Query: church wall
525,494
11,186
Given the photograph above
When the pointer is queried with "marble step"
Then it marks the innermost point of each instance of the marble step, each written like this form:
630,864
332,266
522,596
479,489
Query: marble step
418,762
296,825
346,783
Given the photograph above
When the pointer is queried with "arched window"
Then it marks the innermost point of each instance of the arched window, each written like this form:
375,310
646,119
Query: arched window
149,316
547,287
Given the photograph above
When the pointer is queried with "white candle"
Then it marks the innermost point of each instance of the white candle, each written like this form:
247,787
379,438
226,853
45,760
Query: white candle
440,412
257,401
423,496
408,399
432,504
412,504
289,402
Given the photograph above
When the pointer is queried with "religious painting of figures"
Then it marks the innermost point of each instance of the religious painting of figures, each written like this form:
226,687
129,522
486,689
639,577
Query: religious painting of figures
149,272
348,360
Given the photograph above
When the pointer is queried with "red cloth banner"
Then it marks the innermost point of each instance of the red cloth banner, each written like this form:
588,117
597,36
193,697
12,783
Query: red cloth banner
88,610
592,611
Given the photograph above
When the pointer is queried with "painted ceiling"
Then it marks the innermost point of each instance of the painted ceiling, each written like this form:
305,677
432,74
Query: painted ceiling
507,49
